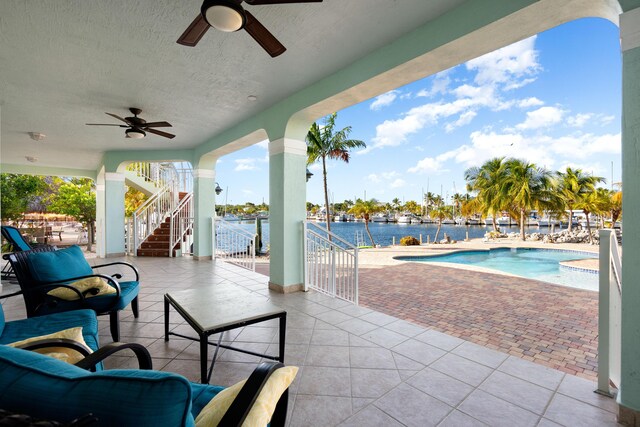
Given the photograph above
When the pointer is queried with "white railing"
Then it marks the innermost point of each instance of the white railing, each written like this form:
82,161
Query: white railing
609,313
151,214
331,265
181,226
128,236
234,244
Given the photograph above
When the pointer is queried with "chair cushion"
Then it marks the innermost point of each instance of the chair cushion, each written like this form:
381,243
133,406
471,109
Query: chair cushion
65,354
16,238
1,320
115,397
99,284
58,265
18,330
263,408
100,303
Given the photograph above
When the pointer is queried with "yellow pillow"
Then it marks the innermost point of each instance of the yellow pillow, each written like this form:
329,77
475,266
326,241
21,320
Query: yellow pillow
61,353
83,285
262,409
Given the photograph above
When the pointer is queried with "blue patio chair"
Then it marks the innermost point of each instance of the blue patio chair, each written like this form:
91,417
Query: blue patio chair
40,270
18,243
45,388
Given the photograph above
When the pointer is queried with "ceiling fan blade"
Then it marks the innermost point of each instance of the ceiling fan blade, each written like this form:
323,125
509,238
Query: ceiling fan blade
160,133
194,32
263,36
105,124
117,117
260,2
157,125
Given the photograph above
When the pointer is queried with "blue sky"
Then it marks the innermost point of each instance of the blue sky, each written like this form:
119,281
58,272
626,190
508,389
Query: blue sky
553,99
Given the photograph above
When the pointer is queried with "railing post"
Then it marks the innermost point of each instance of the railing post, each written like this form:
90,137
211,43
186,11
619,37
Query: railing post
213,236
603,312
305,263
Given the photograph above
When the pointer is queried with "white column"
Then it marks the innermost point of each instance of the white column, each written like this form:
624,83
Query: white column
113,236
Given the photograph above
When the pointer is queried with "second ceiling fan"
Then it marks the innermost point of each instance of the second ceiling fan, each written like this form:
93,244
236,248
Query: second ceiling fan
229,16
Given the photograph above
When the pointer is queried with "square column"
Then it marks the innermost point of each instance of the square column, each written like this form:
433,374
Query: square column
204,201
629,394
110,227
287,210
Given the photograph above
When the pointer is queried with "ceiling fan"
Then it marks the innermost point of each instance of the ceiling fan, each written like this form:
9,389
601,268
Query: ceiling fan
138,127
230,16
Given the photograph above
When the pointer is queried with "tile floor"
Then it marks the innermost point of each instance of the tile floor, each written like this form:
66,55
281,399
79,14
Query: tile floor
358,367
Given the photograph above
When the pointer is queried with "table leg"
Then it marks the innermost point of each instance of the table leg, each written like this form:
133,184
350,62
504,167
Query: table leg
283,332
204,347
166,318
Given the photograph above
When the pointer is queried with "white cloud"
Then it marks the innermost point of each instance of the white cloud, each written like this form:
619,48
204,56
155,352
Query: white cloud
605,120
507,65
579,119
373,178
428,165
398,183
530,102
440,86
542,117
245,165
384,100
583,146
464,119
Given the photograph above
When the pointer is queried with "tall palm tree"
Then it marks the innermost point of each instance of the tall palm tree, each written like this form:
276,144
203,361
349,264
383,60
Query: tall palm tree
591,202
527,187
364,209
440,213
573,183
396,203
428,201
485,181
323,143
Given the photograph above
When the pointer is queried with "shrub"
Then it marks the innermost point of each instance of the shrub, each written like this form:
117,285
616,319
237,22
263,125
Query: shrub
409,241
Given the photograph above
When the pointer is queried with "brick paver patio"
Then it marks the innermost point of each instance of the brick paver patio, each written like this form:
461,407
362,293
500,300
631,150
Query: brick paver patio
555,326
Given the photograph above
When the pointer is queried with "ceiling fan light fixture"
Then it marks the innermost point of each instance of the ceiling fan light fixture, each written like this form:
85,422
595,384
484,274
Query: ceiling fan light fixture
223,15
135,133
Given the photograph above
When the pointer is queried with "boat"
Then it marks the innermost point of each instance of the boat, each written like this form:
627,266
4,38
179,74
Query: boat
546,222
504,220
340,217
404,219
416,220
460,221
592,223
448,221
488,221
473,221
380,217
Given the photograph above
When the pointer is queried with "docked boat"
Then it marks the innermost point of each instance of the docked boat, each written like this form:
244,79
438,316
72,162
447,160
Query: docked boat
404,219
592,223
379,217
504,220
448,221
416,220
340,217
546,222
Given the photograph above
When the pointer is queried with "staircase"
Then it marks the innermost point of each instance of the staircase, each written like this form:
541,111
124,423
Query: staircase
163,226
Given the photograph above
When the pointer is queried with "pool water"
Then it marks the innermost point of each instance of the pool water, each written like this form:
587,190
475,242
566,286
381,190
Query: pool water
538,264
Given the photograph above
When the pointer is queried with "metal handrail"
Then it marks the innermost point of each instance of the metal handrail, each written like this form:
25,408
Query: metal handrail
151,214
331,263
609,313
181,224
233,243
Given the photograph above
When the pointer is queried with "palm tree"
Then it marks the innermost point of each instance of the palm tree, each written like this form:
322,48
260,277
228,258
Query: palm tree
440,212
458,199
616,207
412,206
428,201
323,143
396,203
364,209
527,187
573,183
485,181
591,202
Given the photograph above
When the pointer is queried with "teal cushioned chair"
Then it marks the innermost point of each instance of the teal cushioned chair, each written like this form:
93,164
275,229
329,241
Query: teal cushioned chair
42,269
46,388
18,330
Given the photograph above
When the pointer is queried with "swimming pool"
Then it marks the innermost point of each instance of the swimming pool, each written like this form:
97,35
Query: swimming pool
538,264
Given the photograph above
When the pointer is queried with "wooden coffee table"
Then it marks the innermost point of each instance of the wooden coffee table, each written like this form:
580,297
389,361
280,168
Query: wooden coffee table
220,308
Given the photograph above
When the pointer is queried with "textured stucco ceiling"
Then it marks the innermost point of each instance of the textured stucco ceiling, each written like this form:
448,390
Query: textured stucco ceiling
65,63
